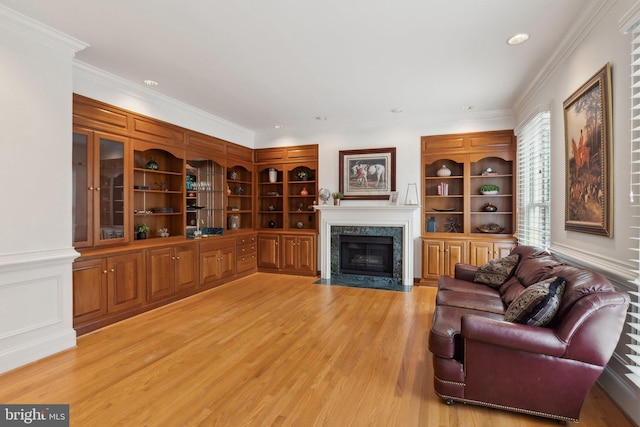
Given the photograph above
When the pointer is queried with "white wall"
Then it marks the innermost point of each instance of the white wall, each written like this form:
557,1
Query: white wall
35,249
594,45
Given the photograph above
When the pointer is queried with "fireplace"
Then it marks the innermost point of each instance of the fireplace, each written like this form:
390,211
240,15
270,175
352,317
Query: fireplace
392,223
367,255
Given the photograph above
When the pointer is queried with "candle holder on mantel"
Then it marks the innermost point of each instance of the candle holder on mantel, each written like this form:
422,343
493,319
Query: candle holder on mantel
411,197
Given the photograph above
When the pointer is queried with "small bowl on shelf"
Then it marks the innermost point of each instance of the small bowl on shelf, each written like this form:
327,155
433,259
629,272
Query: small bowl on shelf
490,228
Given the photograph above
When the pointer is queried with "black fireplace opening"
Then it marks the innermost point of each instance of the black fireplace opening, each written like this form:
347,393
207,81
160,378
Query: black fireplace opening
366,255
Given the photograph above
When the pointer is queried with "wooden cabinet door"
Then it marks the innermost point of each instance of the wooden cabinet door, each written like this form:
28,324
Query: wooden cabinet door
480,252
288,254
306,252
160,273
432,259
210,267
186,267
268,254
89,289
454,252
227,262
503,249
126,281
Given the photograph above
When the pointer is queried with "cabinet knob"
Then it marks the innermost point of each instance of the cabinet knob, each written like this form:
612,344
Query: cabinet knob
177,257
105,271
112,270
173,257
90,188
97,188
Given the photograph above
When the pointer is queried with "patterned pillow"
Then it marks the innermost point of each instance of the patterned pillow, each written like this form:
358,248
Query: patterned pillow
538,304
497,271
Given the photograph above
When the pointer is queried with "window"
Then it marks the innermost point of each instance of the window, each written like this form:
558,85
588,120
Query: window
533,180
634,194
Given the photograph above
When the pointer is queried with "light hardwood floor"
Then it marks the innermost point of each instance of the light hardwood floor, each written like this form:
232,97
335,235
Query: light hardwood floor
266,350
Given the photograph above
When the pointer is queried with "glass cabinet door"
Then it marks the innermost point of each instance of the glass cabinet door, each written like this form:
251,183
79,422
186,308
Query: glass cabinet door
110,189
99,196
205,212
82,188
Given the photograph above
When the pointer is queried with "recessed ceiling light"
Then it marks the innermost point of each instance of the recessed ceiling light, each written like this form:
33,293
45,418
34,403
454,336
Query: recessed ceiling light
151,82
321,118
466,107
278,126
518,39
396,110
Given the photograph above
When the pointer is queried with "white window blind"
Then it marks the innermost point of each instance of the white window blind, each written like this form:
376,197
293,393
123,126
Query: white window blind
533,180
634,323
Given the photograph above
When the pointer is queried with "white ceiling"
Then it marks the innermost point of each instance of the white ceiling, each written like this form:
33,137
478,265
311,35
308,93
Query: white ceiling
259,63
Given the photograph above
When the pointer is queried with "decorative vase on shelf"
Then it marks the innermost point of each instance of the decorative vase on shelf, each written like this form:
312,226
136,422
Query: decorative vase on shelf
273,175
444,171
234,222
304,192
490,207
152,165
272,224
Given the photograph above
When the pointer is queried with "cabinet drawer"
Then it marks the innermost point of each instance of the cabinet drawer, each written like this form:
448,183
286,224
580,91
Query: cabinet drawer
247,262
243,240
249,248
215,243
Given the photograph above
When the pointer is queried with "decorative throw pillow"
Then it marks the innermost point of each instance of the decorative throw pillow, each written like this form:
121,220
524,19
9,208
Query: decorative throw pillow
538,304
497,271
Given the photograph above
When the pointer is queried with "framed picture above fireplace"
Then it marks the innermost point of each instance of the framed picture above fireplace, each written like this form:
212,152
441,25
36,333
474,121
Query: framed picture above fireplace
368,174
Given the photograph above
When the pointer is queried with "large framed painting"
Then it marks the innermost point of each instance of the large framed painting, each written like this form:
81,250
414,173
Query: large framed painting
368,174
587,132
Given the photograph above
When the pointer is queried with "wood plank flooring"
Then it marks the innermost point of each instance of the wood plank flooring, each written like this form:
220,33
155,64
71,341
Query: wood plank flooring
266,350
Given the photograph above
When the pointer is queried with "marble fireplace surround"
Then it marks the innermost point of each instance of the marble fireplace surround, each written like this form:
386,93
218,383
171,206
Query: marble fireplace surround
367,216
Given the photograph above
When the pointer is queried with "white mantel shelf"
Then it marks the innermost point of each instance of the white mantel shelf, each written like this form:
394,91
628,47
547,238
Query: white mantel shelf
368,215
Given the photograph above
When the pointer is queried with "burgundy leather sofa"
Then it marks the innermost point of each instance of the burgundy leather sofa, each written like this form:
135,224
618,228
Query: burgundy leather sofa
480,358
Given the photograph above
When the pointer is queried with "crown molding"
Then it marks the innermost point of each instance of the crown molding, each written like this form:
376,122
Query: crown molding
129,95
591,14
34,30
630,20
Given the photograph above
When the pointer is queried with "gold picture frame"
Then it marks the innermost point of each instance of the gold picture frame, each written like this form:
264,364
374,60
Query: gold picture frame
587,132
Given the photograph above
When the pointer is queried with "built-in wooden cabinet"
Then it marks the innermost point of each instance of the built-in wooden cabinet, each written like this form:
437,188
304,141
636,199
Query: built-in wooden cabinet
287,253
240,196
287,190
287,180
203,199
461,221
171,270
439,257
159,189
106,286
217,260
247,253
481,252
298,254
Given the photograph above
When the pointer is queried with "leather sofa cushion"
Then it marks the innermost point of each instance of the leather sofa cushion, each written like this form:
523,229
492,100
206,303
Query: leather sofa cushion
456,284
490,303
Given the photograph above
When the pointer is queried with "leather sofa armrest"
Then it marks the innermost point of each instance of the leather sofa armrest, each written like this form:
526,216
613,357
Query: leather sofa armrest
532,339
465,271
